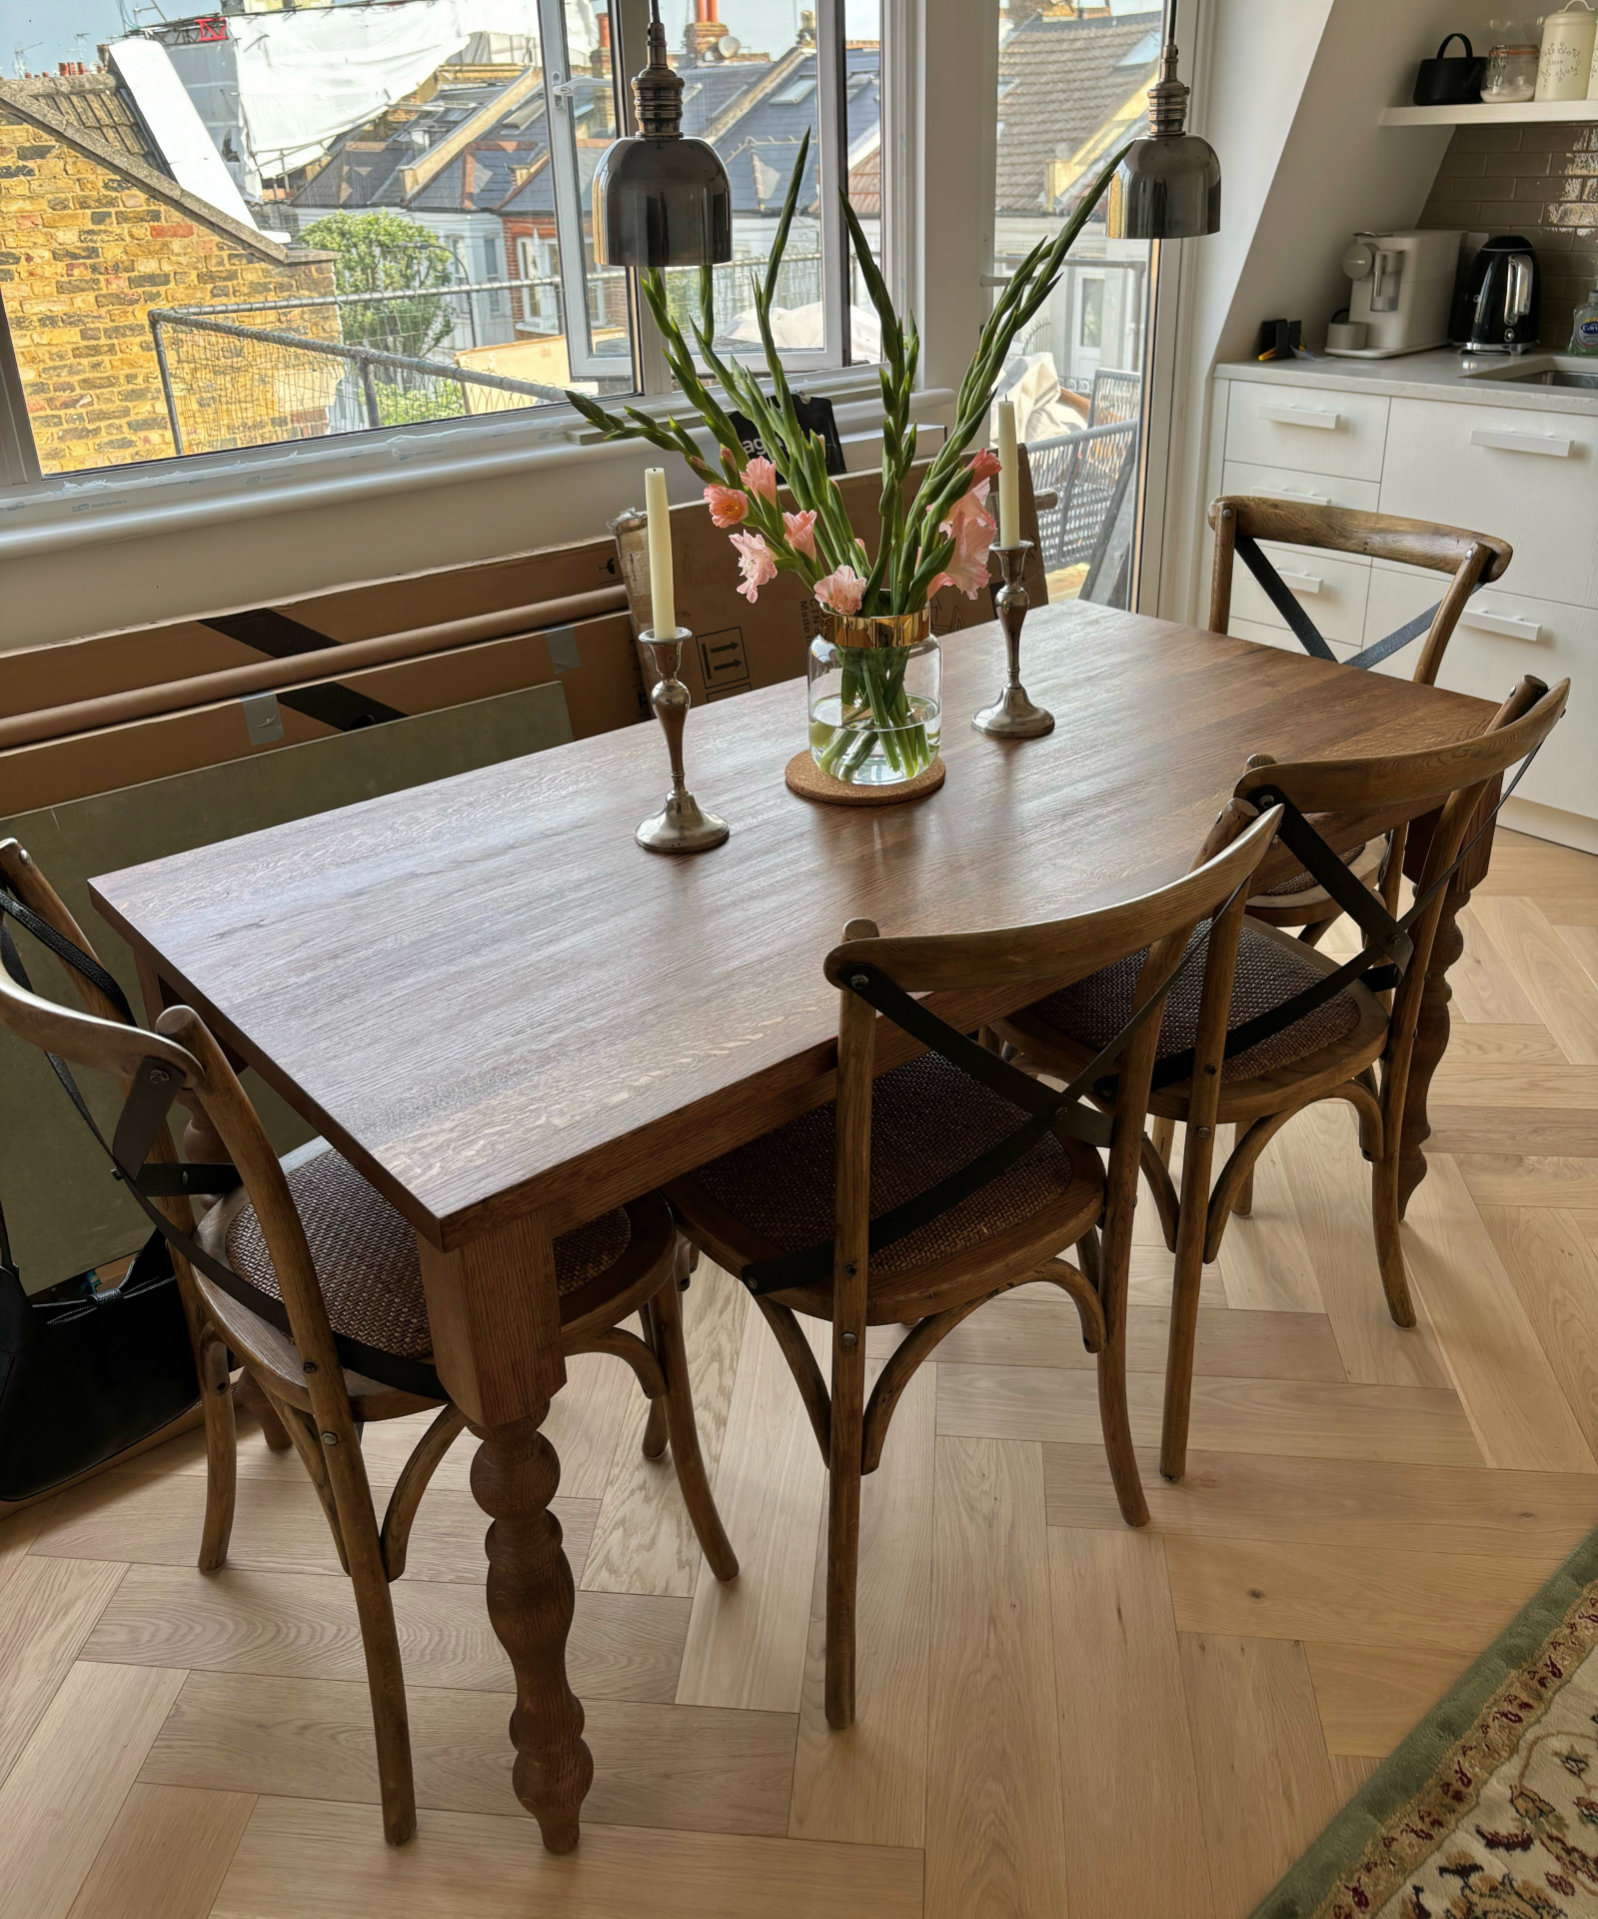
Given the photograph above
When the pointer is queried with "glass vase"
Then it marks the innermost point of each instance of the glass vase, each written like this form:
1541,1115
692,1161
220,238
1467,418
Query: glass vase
876,694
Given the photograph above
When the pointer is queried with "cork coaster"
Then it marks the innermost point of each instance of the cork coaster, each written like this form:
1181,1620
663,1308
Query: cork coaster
806,779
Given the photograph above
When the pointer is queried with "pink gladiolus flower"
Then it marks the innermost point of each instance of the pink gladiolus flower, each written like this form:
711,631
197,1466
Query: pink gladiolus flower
728,504
760,476
801,532
985,466
756,562
842,591
973,529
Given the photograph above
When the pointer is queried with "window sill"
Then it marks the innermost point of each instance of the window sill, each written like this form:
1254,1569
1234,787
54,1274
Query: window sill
127,504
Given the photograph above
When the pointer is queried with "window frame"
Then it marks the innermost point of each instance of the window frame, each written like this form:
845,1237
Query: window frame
828,369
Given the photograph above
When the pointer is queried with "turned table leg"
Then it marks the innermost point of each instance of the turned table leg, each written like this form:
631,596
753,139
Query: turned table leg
494,1310
530,1600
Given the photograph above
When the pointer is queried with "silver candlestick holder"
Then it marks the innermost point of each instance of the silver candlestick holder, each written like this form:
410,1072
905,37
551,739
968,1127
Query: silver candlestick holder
1012,716
682,825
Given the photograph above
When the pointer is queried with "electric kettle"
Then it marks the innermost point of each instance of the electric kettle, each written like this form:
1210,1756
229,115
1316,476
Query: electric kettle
1499,310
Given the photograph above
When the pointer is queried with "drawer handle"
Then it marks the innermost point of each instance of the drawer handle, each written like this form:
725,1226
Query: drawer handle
1301,582
1545,443
1301,416
1504,624
1290,493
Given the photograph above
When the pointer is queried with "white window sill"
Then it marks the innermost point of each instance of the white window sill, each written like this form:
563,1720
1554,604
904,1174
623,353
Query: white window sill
169,496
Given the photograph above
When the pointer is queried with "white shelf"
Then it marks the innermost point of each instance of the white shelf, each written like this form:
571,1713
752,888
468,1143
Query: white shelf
1523,113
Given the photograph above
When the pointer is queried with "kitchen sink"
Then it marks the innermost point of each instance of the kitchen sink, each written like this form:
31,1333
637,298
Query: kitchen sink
1541,369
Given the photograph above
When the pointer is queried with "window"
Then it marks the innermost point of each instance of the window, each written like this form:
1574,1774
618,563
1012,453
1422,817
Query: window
270,223
1073,87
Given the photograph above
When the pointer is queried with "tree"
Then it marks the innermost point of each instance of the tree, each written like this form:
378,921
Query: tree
384,252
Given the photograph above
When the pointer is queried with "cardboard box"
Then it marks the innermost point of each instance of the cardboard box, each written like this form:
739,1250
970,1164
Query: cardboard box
594,661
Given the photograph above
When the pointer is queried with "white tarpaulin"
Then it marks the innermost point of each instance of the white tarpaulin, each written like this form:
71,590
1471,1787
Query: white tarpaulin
305,77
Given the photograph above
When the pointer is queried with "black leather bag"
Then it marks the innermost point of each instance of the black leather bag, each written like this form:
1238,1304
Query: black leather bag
1450,82
83,1379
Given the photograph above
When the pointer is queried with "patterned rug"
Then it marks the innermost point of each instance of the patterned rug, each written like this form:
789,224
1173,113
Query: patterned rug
1489,1809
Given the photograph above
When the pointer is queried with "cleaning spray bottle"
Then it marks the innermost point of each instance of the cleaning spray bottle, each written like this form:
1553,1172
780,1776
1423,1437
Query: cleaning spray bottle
1584,329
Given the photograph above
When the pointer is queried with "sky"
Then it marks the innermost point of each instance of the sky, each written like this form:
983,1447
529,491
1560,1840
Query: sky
48,29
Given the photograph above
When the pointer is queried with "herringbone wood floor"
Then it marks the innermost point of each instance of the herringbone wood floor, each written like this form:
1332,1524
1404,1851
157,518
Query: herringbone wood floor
1057,1716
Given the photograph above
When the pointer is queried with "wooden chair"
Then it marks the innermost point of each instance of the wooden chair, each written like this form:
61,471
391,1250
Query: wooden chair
325,1251
892,1204
1470,559
1332,1052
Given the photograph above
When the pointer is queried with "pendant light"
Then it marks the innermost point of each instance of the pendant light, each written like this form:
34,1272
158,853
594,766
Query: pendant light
660,200
1169,186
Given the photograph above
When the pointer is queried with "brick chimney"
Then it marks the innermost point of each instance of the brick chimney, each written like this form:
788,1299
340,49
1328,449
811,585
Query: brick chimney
703,32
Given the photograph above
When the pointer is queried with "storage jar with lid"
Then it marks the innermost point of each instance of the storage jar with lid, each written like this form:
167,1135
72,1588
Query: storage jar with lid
1511,76
1565,66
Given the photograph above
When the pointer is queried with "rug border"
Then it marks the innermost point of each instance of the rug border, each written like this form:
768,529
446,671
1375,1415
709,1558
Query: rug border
1406,1770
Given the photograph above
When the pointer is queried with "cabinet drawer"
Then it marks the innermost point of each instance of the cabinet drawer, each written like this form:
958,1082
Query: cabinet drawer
1278,636
1503,635
1309,429
1300,489
1530,478
1331,588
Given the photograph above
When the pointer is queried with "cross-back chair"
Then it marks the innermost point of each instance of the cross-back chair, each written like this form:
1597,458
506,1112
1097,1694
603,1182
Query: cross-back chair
310,1278
921,1191
1298,1027
1470,560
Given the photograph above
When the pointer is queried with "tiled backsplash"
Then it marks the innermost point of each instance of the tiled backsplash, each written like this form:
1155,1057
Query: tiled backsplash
1538,181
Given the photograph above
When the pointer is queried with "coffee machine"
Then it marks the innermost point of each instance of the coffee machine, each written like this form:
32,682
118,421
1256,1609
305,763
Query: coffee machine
1403,287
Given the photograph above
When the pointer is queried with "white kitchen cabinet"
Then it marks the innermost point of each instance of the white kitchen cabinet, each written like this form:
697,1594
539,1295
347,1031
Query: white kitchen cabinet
1529,478
1502,636
1330,588
1419,440
1307,429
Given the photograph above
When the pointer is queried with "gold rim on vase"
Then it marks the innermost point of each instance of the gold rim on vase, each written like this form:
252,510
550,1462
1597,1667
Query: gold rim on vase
880,630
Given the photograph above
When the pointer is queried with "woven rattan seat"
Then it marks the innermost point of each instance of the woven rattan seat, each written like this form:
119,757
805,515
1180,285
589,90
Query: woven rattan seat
1269,971
365,1255
1302,882
928,1120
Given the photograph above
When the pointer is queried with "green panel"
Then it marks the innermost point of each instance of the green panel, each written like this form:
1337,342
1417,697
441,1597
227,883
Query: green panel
64,1211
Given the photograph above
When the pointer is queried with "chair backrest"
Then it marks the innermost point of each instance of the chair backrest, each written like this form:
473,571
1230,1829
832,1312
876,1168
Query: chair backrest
1472,559
1350,801
1158,925
100,1040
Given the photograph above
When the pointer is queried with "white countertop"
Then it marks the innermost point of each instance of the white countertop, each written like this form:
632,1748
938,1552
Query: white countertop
1441,374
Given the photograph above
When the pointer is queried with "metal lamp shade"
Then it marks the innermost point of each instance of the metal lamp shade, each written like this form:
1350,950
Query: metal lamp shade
661,203
1168,187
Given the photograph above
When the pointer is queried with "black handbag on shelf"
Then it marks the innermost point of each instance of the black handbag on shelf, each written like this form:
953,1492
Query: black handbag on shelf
83,1379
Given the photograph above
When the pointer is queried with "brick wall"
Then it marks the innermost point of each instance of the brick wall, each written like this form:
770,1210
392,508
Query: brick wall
85,252
1537,181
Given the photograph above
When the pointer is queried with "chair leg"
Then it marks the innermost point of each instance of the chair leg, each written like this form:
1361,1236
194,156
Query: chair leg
1384,1218
843,1533
221,1450
253,1400
1244,1203
655,1431
385,1677
1115,1421
1187,1279
665,1316
1163,1133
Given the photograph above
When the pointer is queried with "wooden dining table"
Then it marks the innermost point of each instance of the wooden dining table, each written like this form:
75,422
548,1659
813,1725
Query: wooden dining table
511,1018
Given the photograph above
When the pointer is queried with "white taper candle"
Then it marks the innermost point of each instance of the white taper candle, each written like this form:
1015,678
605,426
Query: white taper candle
662,587
1009,478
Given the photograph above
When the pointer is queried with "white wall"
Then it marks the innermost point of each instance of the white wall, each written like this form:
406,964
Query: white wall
1289,92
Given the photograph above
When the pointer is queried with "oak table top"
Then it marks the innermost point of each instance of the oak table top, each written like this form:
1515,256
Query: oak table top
492,1001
